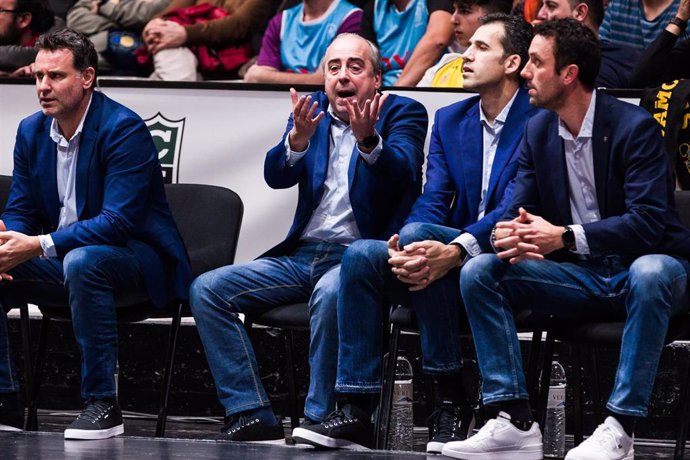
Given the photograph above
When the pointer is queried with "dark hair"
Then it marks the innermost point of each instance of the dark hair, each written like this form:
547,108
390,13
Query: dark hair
83,53
516,38
595,10
489,6
574,43
42,16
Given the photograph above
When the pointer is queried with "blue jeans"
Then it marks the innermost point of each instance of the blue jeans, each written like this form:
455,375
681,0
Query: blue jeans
368,287
646,292
93,280
310,273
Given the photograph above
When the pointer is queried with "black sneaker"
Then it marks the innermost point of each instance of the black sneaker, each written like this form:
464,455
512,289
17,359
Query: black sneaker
11,412
449,423
349,428
100,419
248,429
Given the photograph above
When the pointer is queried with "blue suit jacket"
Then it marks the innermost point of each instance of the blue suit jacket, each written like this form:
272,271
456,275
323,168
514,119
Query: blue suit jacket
380,194
633,184
119,193
454,170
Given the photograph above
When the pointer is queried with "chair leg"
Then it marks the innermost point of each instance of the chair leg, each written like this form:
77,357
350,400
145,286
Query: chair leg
292,389
28,366
533,367
167,374
682,433
545,379
32,418
386,397
577,393
596,391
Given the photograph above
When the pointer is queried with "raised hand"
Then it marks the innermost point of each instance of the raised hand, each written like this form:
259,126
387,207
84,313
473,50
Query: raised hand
305,123
363,120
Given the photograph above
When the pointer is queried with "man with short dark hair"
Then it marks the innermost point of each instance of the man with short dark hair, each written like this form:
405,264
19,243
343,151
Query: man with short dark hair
472,160
592,232
21,22
617,59
86,223
356,156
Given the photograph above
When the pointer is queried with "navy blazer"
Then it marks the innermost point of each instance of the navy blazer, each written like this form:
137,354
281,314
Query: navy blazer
119,194
633,184
453,187
380,194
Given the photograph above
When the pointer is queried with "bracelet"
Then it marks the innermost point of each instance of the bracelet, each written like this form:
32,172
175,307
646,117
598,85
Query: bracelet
682,24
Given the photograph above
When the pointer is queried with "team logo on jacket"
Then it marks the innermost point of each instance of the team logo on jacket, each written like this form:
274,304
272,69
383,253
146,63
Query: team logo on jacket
167,135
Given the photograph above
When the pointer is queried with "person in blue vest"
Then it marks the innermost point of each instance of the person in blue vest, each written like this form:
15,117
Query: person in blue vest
356,157
296,39
592,233
411,34
472,160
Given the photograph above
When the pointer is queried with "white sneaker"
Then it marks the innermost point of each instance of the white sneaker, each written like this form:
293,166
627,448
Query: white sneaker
608,442
499,439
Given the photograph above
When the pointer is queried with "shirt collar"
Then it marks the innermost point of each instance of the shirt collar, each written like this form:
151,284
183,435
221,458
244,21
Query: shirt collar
57,136
587,123
339,122
501,118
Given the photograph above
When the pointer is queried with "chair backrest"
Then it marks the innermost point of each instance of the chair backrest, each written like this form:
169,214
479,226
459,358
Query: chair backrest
683,206
5,184
209,219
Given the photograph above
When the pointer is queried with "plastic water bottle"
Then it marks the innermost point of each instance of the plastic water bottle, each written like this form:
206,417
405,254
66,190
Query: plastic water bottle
402,422
554,426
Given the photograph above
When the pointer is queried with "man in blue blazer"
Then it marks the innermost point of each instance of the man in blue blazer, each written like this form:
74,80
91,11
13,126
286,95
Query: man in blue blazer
356,157
472,160
86,222
593,233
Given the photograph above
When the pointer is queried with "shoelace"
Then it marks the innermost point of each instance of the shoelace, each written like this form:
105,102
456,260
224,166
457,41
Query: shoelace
235,425
95,410
444,420
338,417
605,436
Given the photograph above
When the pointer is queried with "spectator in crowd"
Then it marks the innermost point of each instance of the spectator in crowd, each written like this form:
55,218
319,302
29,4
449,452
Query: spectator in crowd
667,59
21,22
296,40
592,232
94,232
356,157
447,73
637,23
617,59
472,159
169,41
411,34
114,27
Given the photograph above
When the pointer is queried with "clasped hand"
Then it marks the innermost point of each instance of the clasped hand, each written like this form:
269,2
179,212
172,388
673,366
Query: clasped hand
527,237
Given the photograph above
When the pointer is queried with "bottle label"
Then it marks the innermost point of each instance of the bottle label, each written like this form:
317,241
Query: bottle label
556,396
402,391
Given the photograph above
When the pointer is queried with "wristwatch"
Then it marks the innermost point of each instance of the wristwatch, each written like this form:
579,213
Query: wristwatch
568,238
369,142
682,24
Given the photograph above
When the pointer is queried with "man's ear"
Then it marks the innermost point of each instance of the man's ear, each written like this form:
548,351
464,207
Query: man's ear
89,77
581,12
23,20
569,73
511,64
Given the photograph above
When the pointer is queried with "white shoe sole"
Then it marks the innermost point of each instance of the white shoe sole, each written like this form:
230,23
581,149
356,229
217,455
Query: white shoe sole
303,436
630,456
9,428
433,447
72,433
526,453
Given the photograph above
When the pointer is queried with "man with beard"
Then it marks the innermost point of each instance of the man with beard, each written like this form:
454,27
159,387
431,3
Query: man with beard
21,22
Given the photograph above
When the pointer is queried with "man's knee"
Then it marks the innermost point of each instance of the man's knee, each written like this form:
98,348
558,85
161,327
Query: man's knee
202,290
80,262
653,270
364,255
482,268
415,231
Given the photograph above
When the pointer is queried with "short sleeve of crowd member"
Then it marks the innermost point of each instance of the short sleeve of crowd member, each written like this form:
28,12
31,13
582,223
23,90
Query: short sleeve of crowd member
270,45
436,5
352,23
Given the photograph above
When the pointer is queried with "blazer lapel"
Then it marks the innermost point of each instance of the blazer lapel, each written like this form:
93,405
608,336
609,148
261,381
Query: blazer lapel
470,148
87,145
321,153
511,134
601,136
47,163
556,170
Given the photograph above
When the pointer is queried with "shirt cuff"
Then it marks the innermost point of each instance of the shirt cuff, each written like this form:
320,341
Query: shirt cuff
469,244
374,155
47,245
581,245
291,156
